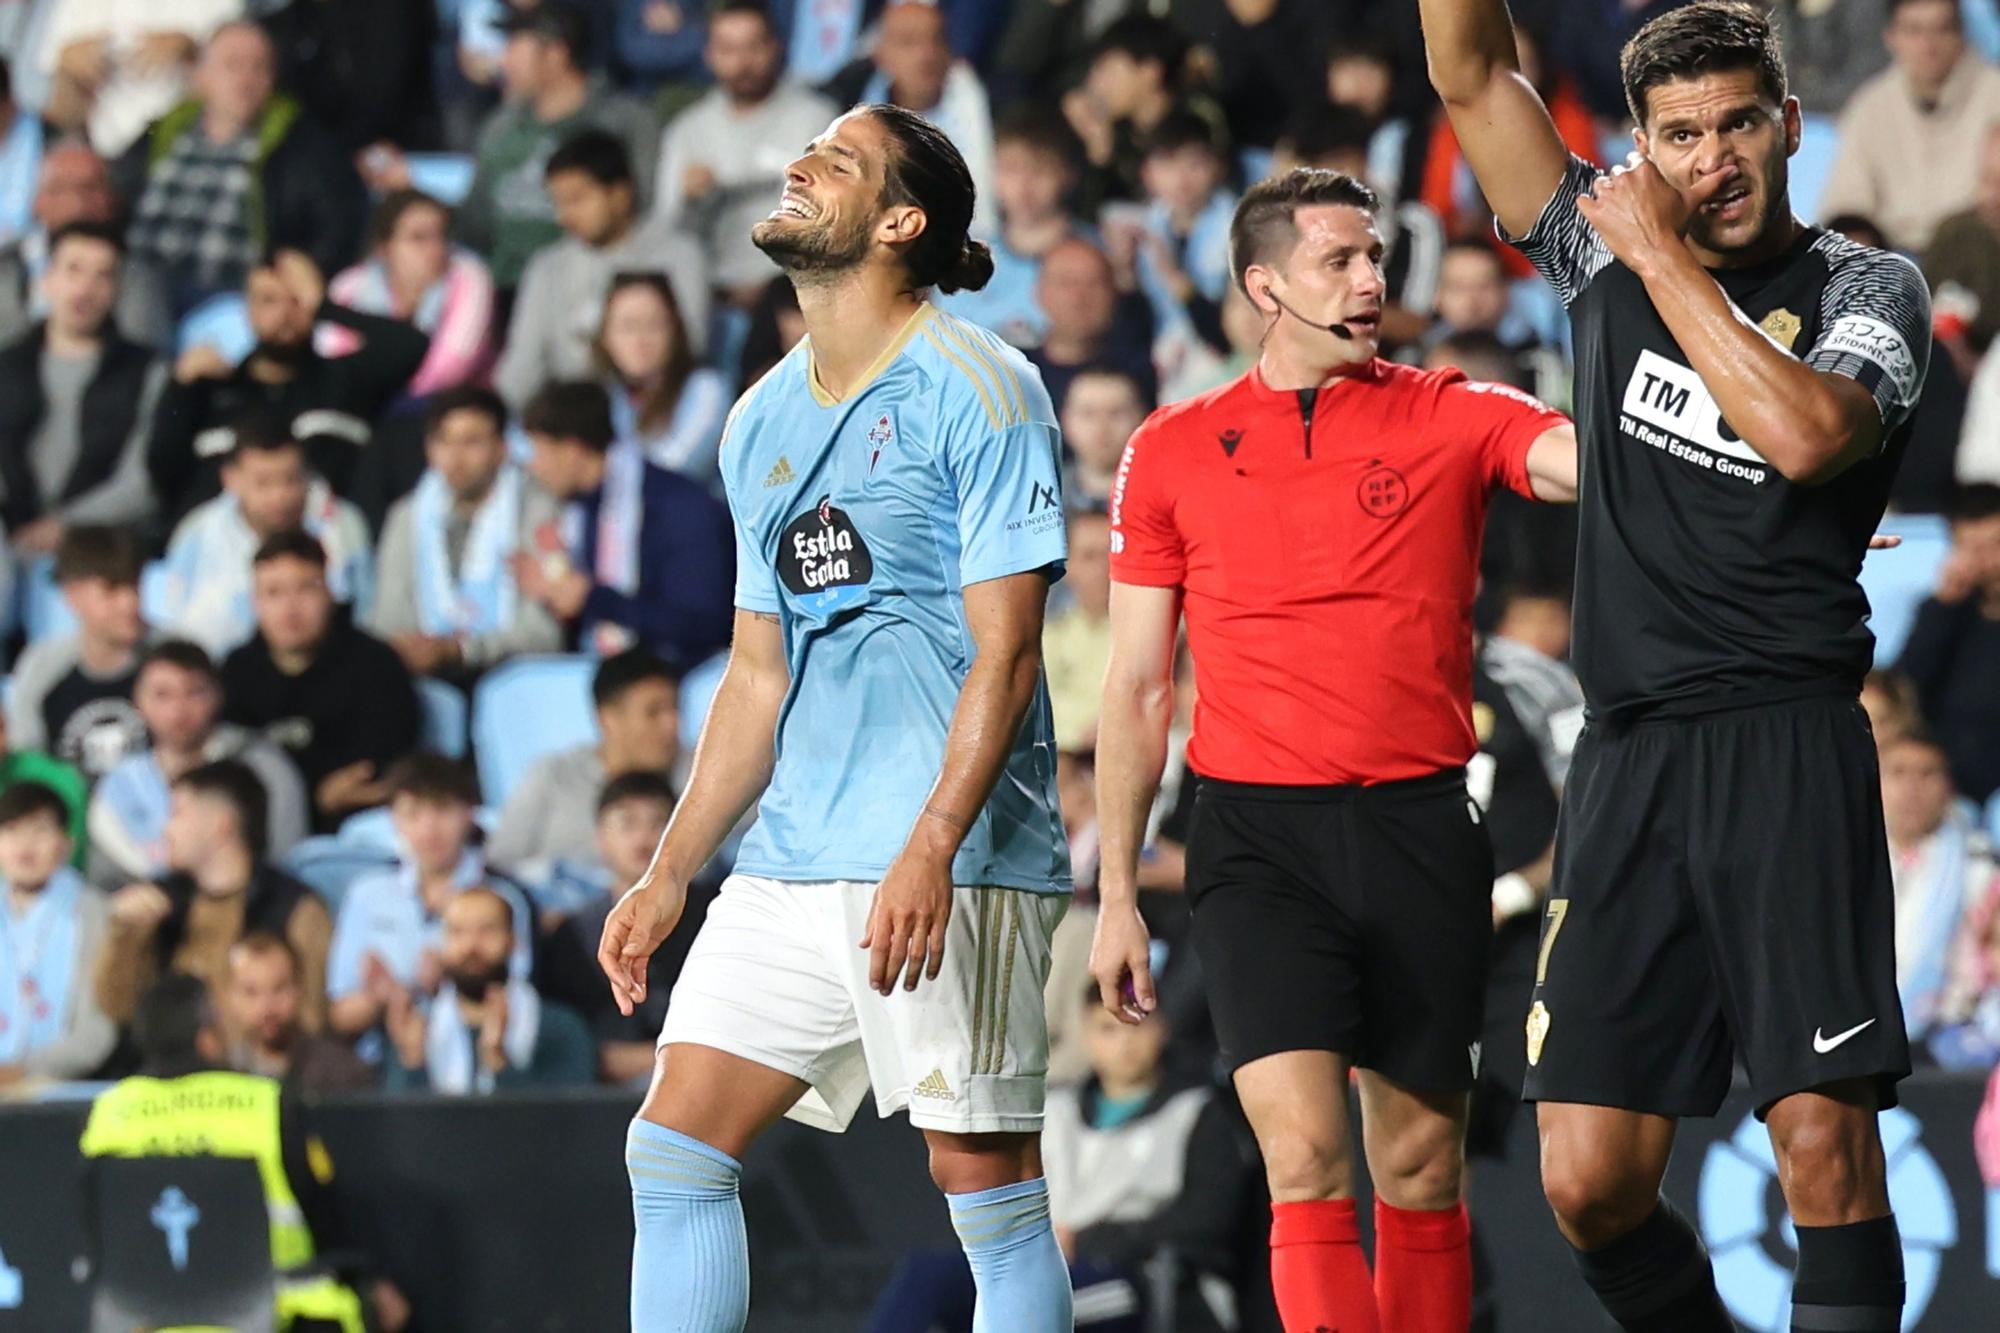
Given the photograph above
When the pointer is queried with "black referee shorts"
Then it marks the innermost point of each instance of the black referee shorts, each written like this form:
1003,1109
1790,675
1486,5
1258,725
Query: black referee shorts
1721,891
1346,919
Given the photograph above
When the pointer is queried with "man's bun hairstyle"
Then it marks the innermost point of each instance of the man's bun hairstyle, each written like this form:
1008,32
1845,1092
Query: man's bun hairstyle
925,170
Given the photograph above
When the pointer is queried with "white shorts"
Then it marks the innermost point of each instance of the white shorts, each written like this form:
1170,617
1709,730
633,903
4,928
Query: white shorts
776,977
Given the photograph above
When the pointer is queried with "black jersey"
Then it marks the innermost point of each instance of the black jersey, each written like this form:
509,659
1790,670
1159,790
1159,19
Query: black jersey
1701,572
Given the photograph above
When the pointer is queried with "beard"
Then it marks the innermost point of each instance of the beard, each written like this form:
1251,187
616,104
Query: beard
472,981
808,252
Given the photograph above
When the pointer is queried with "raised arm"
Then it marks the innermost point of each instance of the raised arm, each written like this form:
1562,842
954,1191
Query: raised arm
732,766
1502,125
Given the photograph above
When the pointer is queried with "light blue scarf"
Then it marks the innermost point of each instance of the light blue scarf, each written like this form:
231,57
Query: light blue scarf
479,597
137,795
37,966
620,511
1943,864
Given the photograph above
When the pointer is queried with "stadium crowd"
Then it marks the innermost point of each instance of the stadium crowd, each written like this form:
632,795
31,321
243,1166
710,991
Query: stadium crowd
351,350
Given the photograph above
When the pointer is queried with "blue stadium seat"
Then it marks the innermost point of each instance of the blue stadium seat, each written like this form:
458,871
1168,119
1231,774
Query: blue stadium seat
525,709
370,830
447,717
223,322
1813,164
1898,581
445,177
329,865
697,692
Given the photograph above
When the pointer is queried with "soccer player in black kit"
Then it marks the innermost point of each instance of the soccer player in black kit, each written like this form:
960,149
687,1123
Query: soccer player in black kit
1722,879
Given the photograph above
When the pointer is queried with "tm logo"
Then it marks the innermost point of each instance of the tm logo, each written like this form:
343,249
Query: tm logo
1739,1198
176,1215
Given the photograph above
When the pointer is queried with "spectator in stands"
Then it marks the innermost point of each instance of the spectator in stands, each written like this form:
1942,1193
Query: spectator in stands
1100,410
1977,458
1940,865
1078,295
1076,645
361,68
1134,83
63,779
550,97
552,813
116,66
1264,58
1967,1032
415,275
73,693
1473,295
219,887
662,402
340,701
21,144
560,307
487,1028
178,693
1180,246
776,326
648,556
259,1011
447,602
76,403
1048,44
235,173
1830,50
51,930
1953,652
329,404
266,489
75,186
722,161
913,67
1963,265
1034,171
389,928
659,42
1890,700
1361,77
1912,137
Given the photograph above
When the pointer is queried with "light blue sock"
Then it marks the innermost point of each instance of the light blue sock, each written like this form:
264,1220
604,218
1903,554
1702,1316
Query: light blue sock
1016,1264
690,1258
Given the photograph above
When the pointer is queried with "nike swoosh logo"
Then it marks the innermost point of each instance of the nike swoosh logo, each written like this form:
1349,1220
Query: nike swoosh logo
1824,1044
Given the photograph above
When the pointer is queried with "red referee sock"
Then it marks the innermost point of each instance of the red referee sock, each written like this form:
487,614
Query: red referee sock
1318,1271
1423,1269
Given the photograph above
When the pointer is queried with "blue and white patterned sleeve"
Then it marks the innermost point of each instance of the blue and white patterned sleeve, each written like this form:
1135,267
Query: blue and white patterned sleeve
1874,325
1564,248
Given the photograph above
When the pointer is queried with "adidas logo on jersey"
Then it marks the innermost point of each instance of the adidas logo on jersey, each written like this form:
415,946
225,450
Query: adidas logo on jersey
934,1086
781,473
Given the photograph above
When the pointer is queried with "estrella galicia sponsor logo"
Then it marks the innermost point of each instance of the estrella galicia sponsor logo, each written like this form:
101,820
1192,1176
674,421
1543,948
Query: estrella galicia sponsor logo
1668,407
823,562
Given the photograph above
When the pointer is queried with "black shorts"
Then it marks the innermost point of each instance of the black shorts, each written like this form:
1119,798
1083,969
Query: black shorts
1346,919
1721,890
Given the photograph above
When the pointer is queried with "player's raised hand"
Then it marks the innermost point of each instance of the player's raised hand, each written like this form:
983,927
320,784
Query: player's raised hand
1121,960
1639,213
641,919
906,922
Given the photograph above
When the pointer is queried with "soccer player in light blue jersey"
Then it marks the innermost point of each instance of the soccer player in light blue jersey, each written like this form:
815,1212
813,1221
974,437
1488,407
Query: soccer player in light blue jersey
895,490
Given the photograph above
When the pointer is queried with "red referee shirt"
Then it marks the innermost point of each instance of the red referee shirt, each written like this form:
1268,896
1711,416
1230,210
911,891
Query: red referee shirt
1327,563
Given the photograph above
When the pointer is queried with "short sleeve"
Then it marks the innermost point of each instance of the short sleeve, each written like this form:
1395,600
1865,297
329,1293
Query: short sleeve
1501,422
756,576
1145,543
1008,484
1875,328
1564,248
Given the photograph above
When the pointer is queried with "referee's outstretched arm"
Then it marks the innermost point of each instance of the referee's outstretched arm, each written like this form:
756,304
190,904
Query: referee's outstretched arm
1499,118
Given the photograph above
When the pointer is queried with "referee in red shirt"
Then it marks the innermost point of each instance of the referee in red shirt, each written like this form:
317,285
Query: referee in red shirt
1318,523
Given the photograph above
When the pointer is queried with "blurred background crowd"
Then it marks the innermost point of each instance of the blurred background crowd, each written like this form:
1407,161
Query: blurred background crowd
363,365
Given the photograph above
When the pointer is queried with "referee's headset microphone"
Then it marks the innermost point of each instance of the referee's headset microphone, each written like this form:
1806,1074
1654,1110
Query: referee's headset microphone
1337,329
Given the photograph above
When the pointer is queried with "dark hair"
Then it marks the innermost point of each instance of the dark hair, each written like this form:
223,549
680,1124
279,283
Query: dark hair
1473,245
1263,226
637,785
621,671
180,653
756,9
1105,370
576,410
1480,354
465,398
6,81
99,551
168,1023
1146,40
1362,45
258,942
261,430
231,781
1918,733
1973,501
1847,224
101,232
1042,127
1316,132
658,405
26,799
434,778
1182,129
924,169
389,213
598,154
1706,37
763,344
1895,6
291,544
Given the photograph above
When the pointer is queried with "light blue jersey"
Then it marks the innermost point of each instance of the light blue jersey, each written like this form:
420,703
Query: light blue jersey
858,522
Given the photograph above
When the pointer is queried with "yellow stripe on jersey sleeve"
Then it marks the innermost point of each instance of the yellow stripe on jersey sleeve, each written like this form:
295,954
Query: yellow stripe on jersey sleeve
1013,411
985,398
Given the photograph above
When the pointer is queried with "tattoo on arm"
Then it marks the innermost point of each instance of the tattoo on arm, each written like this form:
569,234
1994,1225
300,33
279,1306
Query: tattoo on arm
939,813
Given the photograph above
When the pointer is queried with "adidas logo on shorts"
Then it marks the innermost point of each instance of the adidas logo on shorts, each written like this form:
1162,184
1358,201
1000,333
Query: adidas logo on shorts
934,1086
